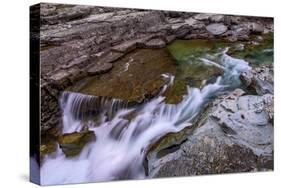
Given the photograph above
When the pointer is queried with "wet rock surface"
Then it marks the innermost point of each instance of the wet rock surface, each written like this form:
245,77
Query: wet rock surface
137,77
72,143
99,51
74,37
259,79
235,135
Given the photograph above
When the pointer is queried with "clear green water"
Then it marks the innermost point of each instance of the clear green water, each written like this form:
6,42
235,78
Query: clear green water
139,73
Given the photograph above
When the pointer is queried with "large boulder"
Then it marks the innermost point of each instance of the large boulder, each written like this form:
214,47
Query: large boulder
235,134
259,79
216,28
99,68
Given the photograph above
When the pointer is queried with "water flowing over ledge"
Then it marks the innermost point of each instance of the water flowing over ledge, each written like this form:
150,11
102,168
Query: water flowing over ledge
124,132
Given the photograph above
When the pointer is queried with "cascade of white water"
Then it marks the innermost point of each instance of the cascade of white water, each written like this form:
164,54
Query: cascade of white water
119,148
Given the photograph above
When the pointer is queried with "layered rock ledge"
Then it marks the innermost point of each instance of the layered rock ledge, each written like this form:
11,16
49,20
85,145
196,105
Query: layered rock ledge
233,134
79,41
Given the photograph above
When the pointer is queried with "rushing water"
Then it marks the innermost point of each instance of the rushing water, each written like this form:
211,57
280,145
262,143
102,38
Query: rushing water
121,142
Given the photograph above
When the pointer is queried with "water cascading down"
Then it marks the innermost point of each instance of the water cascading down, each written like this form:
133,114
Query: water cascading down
119,149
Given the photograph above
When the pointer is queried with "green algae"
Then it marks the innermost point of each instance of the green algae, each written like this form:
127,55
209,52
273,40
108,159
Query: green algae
183,50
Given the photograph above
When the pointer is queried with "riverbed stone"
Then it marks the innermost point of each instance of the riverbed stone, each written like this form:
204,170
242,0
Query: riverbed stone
259,79
70,35
256,28
234,135
217,18
216,28
126,80
72,143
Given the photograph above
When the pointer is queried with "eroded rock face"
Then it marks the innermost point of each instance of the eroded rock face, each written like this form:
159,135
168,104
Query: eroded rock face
155,43
73,39
235,135
259,79
209,155
72,143
136,77
247,120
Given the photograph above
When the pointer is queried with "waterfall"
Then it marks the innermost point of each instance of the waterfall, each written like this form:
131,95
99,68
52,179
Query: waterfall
119,149
79,107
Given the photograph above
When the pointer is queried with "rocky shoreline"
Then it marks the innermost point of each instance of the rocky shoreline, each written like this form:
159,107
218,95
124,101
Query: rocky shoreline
81,41
77,41
234,136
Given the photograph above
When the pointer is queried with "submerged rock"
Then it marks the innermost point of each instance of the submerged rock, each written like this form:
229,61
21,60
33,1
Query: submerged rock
136,77
72,143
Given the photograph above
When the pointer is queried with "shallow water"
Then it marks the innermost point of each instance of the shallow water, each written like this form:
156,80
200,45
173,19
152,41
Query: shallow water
124,133
137,74
121,156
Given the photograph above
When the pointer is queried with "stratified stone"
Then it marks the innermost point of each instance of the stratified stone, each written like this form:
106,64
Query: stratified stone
155,43
125,47
99,68
202,17
109,57
67,13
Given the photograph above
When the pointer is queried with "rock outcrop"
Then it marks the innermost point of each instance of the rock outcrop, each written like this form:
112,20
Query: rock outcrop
77,41
235,135
259,79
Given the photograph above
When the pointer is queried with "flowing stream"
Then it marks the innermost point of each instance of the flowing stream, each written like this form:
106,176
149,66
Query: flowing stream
121,142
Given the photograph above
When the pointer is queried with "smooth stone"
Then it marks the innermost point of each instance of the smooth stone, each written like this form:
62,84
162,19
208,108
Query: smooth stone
72,143
216,28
